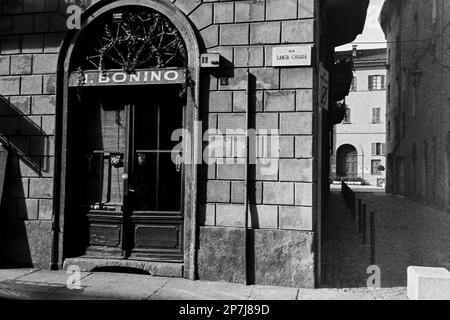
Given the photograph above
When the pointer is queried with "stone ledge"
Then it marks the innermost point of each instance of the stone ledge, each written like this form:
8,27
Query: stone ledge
426,283
159,269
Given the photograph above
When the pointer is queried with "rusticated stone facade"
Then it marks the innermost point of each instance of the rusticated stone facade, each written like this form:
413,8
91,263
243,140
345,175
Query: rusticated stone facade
418,137
284,206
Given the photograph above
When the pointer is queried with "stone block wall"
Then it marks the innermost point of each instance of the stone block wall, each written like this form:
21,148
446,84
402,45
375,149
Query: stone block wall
244,33
282,202
31,33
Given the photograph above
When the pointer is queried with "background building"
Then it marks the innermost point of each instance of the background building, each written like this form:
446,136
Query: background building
90,178
359,141
418,116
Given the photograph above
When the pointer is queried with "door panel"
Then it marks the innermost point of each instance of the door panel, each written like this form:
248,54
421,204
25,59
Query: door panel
130,189
156,183
103,142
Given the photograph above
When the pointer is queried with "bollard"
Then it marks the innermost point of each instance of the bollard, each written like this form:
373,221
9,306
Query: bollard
358,216
372,237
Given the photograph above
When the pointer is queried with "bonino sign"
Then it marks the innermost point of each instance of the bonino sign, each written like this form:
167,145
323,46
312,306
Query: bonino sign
122,78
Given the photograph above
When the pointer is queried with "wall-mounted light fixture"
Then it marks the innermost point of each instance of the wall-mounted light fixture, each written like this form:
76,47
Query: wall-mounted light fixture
210,60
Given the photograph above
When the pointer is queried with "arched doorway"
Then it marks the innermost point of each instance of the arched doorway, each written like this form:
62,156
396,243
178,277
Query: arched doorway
347,161
124,191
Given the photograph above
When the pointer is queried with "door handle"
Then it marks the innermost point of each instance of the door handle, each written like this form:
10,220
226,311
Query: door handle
131,190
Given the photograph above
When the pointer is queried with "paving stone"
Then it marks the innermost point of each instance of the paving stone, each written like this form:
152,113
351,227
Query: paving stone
185,289
121,286
59,277
11,274
273,293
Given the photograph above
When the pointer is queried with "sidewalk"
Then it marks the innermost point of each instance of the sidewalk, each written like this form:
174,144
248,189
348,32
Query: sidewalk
32,284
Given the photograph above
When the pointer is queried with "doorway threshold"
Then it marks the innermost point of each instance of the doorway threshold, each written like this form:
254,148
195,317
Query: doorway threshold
157,269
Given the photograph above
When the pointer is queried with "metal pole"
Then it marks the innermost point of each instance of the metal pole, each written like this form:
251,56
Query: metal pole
247,172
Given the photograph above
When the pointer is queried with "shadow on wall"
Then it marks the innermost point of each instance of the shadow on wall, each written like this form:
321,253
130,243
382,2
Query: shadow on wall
27,158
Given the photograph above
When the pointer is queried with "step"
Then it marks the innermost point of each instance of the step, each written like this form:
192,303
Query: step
160,269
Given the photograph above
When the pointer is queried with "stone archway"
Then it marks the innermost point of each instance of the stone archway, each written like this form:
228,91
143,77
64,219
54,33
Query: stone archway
347,161
182,25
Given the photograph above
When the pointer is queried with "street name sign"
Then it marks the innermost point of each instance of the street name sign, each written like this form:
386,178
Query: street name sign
291,56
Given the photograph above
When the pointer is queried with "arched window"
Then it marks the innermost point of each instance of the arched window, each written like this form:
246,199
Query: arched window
128,39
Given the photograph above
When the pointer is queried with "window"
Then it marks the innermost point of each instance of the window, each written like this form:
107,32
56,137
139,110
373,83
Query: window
376,115
378,149
354,86
347,117
375,168
377,82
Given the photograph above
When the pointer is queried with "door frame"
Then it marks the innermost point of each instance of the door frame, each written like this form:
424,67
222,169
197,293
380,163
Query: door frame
60,209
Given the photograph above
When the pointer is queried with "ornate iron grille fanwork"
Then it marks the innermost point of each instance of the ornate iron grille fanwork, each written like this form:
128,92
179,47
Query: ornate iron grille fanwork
131,39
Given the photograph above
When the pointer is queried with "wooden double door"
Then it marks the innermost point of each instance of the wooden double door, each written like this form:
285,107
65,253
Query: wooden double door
130,173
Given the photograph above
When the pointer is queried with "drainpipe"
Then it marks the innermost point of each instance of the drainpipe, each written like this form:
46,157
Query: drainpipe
247,174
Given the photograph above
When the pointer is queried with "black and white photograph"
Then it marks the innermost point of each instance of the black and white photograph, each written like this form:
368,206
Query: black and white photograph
224,156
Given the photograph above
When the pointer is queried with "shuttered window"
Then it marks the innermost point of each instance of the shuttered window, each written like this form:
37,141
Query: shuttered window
378,149
377,82
375,167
